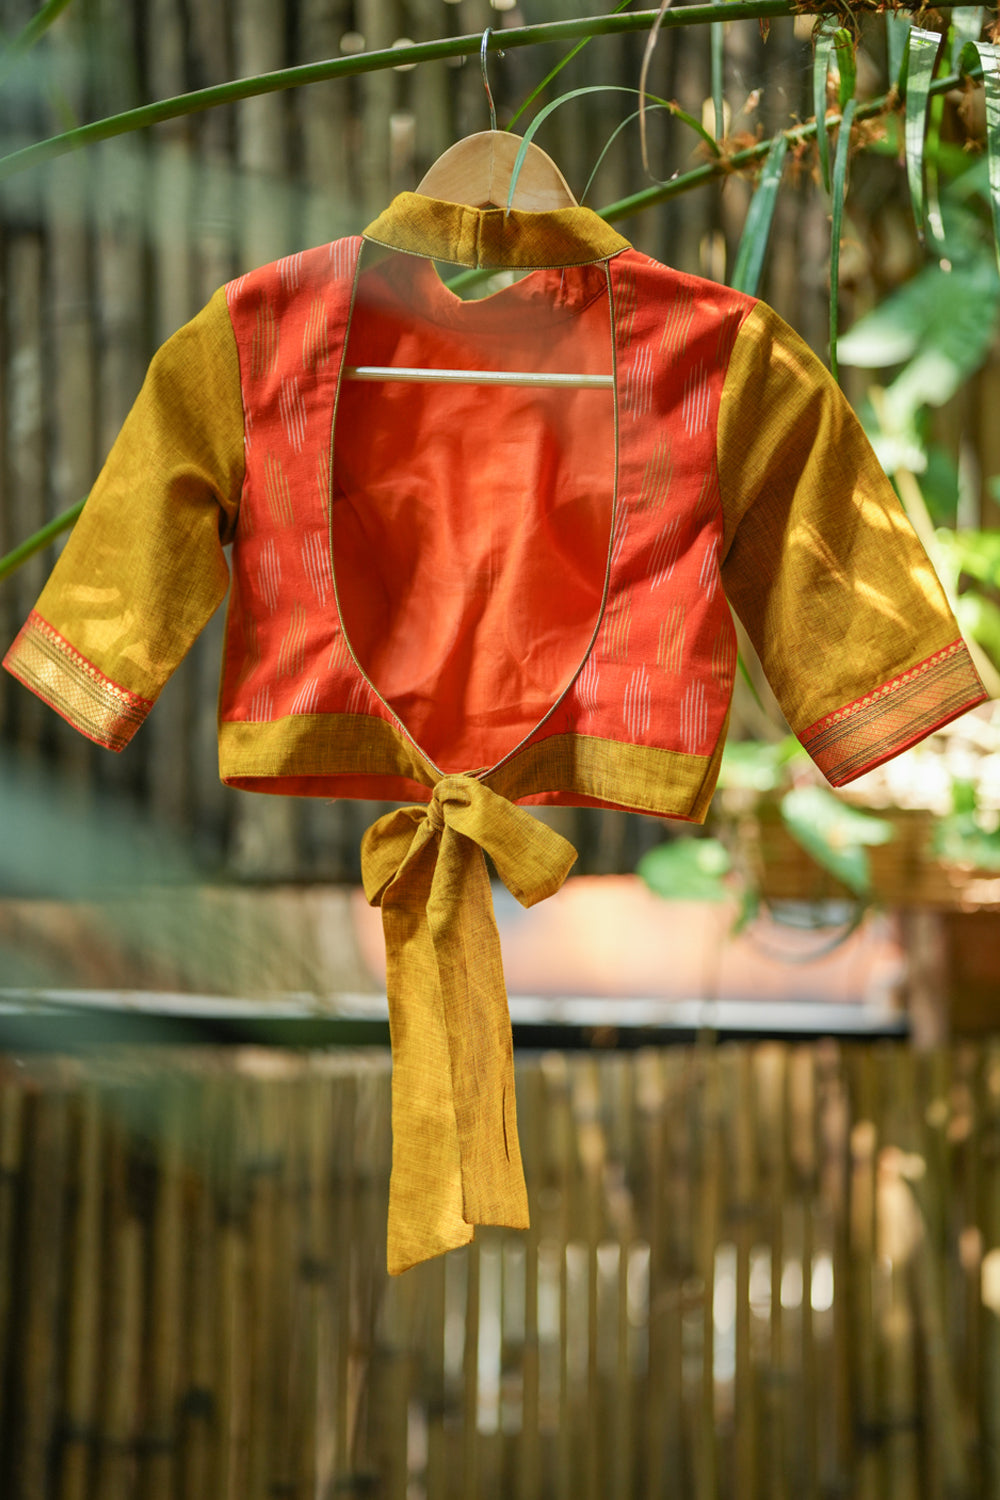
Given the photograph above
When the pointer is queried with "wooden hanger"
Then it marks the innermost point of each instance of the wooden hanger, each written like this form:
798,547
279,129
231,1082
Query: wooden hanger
477,170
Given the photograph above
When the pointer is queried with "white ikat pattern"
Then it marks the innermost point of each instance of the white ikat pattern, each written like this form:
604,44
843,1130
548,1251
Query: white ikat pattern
293,412
316,561
694,718
636,708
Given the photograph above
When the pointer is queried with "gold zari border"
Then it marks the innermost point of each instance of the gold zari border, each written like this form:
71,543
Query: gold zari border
48,665
863,734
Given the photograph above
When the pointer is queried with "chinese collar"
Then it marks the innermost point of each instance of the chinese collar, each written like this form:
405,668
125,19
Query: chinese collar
491,238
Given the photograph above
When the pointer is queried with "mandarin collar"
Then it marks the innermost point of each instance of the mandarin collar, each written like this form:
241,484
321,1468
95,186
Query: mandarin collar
491,238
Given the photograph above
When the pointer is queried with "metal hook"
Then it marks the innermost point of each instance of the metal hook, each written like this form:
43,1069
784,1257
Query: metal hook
486,81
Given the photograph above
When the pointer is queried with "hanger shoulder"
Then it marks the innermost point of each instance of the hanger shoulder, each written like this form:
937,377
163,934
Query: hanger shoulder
477,171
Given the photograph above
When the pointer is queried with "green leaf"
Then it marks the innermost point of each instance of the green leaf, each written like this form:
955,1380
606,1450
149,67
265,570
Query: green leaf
821,68
897,31
966,26
717,34
758,766
671,108
26,39
839,194
975,553
960,838
594,88
940,484
687,869
941,323
554,72
847,65
834,834
922,51
757,229
979,618
989,55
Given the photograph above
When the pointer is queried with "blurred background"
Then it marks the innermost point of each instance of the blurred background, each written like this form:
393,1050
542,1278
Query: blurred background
759,1080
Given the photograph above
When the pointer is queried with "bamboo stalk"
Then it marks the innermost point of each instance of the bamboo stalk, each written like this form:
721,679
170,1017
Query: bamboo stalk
528,1476
770,1080
470,1373
269,1274
121,1351
36,1287
736,1084
898,1232
159,1472
200,1402
343,1186
84,1236
864,1356
989,1290
24,444
802,1154
12,1148
708,1193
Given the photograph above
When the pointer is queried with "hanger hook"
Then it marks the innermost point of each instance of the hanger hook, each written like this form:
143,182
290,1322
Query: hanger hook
486,80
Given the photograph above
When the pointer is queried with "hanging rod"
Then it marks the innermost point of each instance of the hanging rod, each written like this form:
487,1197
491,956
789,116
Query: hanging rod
481,377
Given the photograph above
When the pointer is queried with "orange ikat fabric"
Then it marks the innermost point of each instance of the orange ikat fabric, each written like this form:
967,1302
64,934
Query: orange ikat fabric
468,597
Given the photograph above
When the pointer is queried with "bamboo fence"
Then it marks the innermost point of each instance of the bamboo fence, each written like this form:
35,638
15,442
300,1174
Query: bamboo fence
757,1272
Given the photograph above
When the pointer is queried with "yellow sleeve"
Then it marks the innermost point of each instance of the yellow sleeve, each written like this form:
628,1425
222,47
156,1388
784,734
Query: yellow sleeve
822,566
144,569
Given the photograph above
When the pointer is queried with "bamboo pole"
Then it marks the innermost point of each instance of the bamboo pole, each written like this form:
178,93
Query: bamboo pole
864,1349
38,1279
24,440
770,1082
122,1343
159,1472
528,1476
85,1242
898,1232
200,1403
741,1181
343,1188
709,1194
802,1154
269,1276
12,1148
989,1279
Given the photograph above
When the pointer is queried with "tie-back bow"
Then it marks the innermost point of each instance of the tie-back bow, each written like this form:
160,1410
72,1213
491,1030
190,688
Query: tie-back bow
456,1161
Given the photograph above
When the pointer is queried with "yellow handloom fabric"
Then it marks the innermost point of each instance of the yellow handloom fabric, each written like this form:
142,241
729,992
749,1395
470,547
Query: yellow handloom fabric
456,1159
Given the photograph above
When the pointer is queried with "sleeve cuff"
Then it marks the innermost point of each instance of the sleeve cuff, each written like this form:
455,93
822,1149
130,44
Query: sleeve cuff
99,708
861,735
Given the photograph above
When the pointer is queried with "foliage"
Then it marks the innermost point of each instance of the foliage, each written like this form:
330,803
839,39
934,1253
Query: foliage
688,869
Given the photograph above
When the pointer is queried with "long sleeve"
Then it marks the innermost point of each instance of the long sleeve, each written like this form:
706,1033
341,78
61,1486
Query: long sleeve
822,566
144,569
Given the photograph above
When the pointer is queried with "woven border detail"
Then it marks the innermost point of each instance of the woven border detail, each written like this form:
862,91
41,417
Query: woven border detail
863,734
99,708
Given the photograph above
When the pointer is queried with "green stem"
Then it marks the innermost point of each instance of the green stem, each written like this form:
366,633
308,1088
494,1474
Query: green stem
41,539
722,165
371,62
554,72
29,34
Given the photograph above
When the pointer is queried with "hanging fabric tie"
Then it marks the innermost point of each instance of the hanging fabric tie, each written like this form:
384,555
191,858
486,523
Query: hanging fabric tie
456,1158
